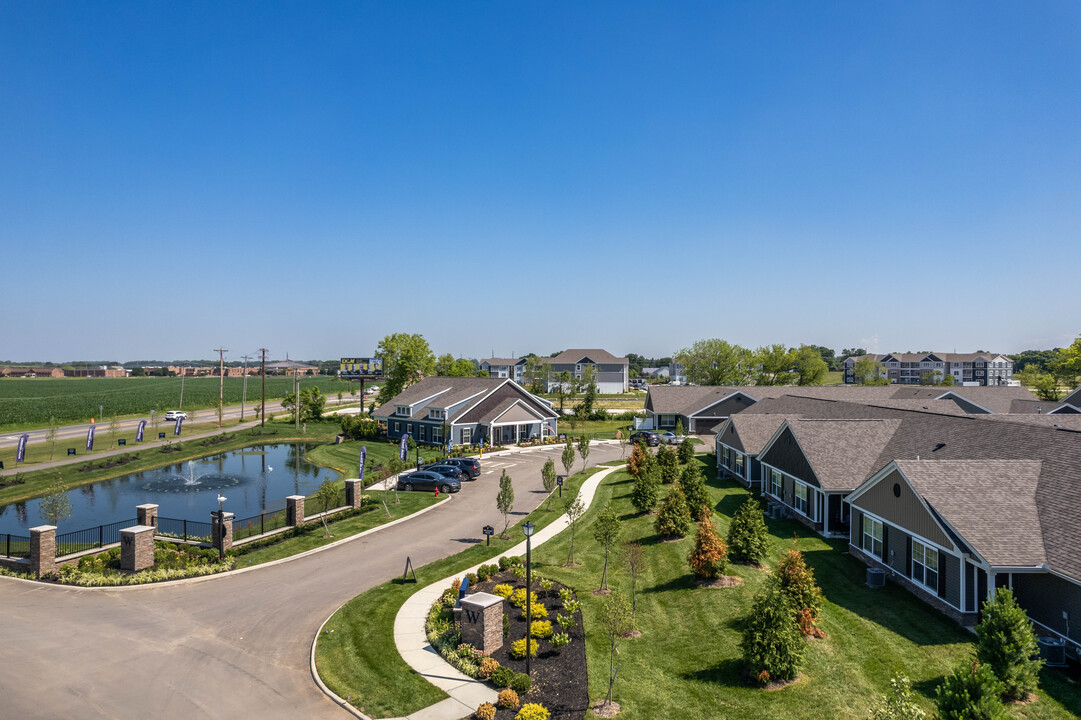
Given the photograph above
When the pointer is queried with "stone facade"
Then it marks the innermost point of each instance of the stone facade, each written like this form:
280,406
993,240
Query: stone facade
482,621
354,492
137,548
42,549
227,541
294,510
147,515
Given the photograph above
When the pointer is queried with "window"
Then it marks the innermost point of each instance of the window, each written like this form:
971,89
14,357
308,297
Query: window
724,456
739,464
801,498
775,483
467,436
925,565
402,410
436,414
423,433
872,536
668,420
397,426
437,434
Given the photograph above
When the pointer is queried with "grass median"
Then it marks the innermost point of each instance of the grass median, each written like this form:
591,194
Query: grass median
359,660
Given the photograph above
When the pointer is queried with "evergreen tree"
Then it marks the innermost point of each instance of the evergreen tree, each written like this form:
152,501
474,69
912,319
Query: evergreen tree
669,464
771,647
638,458
606,531
673,519
686,451
694,489
645,492
797,583
971,692
1006,643
709,558
748,538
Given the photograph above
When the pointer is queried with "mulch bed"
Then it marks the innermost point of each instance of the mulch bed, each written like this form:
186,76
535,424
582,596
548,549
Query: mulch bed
721,582
114,462
559,676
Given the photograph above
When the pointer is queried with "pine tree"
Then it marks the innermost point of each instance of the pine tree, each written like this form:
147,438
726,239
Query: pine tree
686,451
669,464
748,538
971,692
637,459
772,648
694,489
1006,643
797,583
709,558
645,492
673,519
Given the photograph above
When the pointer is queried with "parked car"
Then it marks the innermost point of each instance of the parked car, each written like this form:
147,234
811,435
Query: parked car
176,415
671,438
470,467
647,436
425,480
446,469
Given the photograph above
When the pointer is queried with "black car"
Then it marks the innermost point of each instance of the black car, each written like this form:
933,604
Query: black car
648,437
470,467
451,471
425,480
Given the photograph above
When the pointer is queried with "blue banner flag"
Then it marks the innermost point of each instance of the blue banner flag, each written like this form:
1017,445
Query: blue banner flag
90,439
139,432
179,422
363,458
20,454
405,446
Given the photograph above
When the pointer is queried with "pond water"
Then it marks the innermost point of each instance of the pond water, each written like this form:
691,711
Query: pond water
253,480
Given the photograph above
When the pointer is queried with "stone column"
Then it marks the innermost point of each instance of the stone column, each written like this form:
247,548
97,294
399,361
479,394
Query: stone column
147,515
354,492
137,547
482,621
294,510
42,549
225,527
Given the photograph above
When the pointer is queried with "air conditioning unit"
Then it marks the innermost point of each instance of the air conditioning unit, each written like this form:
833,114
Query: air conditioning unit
876,577
1053,651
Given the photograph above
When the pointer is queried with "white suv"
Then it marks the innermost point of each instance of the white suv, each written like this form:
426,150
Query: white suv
176,415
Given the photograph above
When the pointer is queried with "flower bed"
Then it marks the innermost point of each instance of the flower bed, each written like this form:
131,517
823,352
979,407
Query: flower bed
557,680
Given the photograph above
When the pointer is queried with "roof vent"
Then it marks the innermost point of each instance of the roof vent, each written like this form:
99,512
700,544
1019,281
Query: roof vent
939,446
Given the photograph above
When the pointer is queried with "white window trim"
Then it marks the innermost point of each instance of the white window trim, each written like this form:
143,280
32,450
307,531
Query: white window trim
922,580
397,426
779,493
864,536
796,486
741,464
403,410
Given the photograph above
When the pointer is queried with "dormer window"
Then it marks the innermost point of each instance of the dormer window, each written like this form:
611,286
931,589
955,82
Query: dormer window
402,410
436,414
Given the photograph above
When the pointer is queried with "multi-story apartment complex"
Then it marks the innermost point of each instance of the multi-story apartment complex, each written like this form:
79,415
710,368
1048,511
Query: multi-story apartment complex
613,373
965,368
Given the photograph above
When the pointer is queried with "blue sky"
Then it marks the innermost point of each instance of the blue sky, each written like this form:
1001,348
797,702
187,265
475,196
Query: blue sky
516,177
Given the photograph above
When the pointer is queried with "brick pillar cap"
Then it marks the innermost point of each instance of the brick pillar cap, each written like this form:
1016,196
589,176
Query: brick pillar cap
43,528
482,599
135,529
352,480
295,497
148,506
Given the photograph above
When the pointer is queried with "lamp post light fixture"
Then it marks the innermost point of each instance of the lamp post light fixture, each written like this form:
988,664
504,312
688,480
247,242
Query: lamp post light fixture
221,526
528,529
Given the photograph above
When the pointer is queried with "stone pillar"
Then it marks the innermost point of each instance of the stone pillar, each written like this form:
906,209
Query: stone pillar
226,541
42,549
137,547
482,621
354,492
294,510
147,515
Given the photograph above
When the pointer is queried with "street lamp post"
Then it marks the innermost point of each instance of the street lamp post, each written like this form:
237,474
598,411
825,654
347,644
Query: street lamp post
221,526
528,529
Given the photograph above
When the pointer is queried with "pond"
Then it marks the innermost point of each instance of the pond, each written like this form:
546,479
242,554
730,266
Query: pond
254,480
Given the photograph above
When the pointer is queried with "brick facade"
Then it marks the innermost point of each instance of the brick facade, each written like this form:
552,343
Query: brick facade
226,543
354,492
294,510
482,621
137,548
147,515
42,550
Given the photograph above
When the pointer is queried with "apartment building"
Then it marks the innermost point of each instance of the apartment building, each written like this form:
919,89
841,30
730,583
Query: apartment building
965,368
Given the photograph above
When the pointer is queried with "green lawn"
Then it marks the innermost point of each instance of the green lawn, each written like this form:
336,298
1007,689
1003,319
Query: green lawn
597,429
687,662
345,457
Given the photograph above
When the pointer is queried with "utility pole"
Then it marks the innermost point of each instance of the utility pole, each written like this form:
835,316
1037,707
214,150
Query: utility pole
244,391
221,381
262,409
181,389
296,397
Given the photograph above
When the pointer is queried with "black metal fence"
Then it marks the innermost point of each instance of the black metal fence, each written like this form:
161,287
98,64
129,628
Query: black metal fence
258,524
90,538
14,545
186,529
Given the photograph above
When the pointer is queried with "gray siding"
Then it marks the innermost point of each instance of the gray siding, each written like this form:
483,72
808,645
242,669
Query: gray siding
786,456
1045,597
905,511
952,568
855,530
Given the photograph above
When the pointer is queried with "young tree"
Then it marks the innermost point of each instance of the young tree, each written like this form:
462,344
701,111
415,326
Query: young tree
312,402
624,436
797,582
114,428
1006,643
583,450
748,538
535,375
970,692
504,501
673,519
680,431
606,531
639,456
646,486
694,490
772,648
54,425
898,703
686,450
574,507
548,475
155,419
668,462
709,558
406,358
55,506
568,456
325,497
617,621
564,385
634,558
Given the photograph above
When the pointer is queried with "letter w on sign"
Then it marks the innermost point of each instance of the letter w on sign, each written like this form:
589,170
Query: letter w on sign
471,615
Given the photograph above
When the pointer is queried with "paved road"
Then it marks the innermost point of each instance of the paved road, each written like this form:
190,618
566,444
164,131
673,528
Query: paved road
232,646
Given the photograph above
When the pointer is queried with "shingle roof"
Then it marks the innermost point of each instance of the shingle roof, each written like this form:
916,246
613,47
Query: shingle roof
601,357
500,361
990,503
754,431
450,390
843,453
1073,398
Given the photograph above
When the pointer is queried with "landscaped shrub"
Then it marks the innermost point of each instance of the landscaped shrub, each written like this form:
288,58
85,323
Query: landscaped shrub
1006,644
572,606
488,665
472,577
566,594
518,598
532,711
668,462
518,570
517,649
486,711
686,450
507,699
748,538
560,640
797,582
646,490
709,558
970,692
541,628
637,460
546,585
898,703
536,612
521,683
502,676
673,519
503,591
482,573
467,652
694,489
504,562
772,647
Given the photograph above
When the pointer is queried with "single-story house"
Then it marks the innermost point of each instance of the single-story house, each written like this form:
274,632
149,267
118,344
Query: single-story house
740,439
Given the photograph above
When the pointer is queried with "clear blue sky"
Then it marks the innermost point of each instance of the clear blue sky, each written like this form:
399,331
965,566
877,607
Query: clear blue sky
517,177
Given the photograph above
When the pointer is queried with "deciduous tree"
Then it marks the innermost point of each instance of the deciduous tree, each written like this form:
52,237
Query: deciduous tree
548,476
606,531
868,371
448,366
406,358
617,621
568,456
55,506
574,507
504,501
716,362
773,365
810,366
325,497
583,449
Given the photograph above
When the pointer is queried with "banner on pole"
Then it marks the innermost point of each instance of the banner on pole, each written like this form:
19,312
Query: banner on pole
90,439
405,447
139,432
20,454
363,458
179,422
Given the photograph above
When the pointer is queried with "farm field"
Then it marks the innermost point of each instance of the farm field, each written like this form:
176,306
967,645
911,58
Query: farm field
31,402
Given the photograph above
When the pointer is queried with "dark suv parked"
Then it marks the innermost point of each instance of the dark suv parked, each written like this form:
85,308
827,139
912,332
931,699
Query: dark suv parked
470,467
446,469
648,437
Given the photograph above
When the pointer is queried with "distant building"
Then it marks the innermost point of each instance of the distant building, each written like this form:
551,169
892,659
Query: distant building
99,372
512,368
965,368
289,367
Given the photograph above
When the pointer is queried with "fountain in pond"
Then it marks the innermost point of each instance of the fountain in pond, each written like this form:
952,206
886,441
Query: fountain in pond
192,481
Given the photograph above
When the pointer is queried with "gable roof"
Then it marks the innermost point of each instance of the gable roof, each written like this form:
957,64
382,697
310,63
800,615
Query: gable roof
600,357
755,431
842,453
501,361
1073,398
